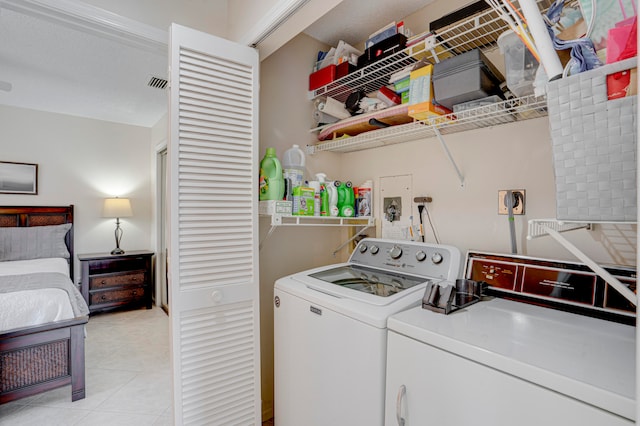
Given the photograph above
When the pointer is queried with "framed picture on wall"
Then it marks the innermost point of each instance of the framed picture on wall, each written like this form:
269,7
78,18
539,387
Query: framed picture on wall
18,178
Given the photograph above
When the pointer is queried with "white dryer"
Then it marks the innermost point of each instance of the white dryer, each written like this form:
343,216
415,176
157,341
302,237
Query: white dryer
331,330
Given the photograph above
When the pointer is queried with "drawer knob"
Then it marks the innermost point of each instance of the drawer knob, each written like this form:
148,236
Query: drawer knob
103,282
216,296
103,297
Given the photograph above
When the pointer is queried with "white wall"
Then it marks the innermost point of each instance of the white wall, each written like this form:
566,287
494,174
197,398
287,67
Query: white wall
207,16
80,162
285,117
511,156
248,18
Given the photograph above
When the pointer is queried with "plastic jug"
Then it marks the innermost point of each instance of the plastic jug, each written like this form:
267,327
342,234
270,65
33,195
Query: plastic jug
271,180
346,201
332,196
293,163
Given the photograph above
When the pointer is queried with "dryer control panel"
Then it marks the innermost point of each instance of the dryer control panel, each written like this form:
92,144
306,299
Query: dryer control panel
409,257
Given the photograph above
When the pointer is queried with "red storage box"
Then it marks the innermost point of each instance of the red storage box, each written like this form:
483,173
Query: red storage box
321,77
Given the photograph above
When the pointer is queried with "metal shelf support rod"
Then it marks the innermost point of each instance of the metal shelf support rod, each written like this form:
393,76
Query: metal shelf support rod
601,272
350,239
271,229
446,150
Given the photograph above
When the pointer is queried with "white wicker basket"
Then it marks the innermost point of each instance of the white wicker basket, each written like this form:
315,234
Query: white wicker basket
594,147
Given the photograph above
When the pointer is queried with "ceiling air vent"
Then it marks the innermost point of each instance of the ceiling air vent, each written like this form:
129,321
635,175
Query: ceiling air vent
157,82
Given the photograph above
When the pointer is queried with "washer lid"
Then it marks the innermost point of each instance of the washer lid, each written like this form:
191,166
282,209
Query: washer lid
368,280
346,282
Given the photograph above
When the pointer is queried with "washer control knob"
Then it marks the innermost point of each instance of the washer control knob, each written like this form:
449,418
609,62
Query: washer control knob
436,258
363,248
374,249
395,252
420,256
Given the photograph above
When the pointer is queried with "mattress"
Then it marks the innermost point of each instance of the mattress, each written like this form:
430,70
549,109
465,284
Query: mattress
29,298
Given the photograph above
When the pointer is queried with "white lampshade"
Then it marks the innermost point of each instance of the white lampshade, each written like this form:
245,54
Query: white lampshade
117,207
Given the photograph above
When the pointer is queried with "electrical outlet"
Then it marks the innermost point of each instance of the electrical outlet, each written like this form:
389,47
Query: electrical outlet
518,201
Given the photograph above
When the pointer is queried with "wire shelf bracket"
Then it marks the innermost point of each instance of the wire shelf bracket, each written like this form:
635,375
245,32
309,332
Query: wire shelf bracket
278,220
553,228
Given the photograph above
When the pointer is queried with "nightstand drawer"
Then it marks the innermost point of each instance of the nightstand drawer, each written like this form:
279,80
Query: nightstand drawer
111,282
119,295
117,279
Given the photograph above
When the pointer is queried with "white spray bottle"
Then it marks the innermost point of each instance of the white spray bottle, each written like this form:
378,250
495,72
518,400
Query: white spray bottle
324,195
333,199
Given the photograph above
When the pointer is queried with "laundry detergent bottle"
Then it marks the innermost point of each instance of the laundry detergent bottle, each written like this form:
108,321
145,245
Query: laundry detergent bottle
293,162
271,180
346,199
332,195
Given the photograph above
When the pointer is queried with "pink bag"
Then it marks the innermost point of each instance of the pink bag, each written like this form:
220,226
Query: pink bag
622,40
622,44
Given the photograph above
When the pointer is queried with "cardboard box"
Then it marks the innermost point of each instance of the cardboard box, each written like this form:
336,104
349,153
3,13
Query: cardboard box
421,103
425,110
382,49
622,84
343,69
402,85
271,207
420,85
303,201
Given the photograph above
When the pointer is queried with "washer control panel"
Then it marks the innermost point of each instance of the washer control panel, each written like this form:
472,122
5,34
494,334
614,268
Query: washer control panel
411,257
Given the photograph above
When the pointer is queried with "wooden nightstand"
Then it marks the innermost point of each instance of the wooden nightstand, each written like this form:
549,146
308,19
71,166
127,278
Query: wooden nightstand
116,281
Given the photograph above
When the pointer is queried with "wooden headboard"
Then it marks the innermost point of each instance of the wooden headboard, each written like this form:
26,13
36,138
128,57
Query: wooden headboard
39,216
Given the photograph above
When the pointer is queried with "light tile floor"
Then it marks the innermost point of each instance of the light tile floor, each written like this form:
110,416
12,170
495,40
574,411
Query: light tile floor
128,377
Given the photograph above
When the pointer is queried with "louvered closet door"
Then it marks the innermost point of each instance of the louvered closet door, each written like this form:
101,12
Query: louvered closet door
213,237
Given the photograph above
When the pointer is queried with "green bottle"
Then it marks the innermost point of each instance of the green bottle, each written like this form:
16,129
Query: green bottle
271,180
346,199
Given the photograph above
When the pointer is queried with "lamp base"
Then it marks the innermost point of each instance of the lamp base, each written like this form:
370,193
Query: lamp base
117,250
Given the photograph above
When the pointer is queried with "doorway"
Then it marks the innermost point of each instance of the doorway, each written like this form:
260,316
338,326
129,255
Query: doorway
161,268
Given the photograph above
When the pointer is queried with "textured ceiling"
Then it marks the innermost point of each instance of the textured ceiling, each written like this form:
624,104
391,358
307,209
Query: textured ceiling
354,20
60,68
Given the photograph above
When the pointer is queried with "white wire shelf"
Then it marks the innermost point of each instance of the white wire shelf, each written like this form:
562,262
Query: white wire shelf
479,31
278,220
538,227
517,109
290,220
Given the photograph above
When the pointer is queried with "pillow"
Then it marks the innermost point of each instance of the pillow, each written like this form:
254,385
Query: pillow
34,242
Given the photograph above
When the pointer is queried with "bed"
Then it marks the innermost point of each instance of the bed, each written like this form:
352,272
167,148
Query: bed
35,358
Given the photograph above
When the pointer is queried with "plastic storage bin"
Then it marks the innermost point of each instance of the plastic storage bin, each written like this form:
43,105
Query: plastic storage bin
519,63
464,78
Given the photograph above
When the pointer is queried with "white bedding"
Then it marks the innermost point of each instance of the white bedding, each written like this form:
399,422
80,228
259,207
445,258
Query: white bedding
18,267
33,307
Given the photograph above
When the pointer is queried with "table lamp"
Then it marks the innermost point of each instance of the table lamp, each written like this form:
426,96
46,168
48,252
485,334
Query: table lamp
117,207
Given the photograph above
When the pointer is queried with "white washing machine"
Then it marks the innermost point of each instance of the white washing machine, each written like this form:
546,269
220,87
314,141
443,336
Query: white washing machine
545,357
330,326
